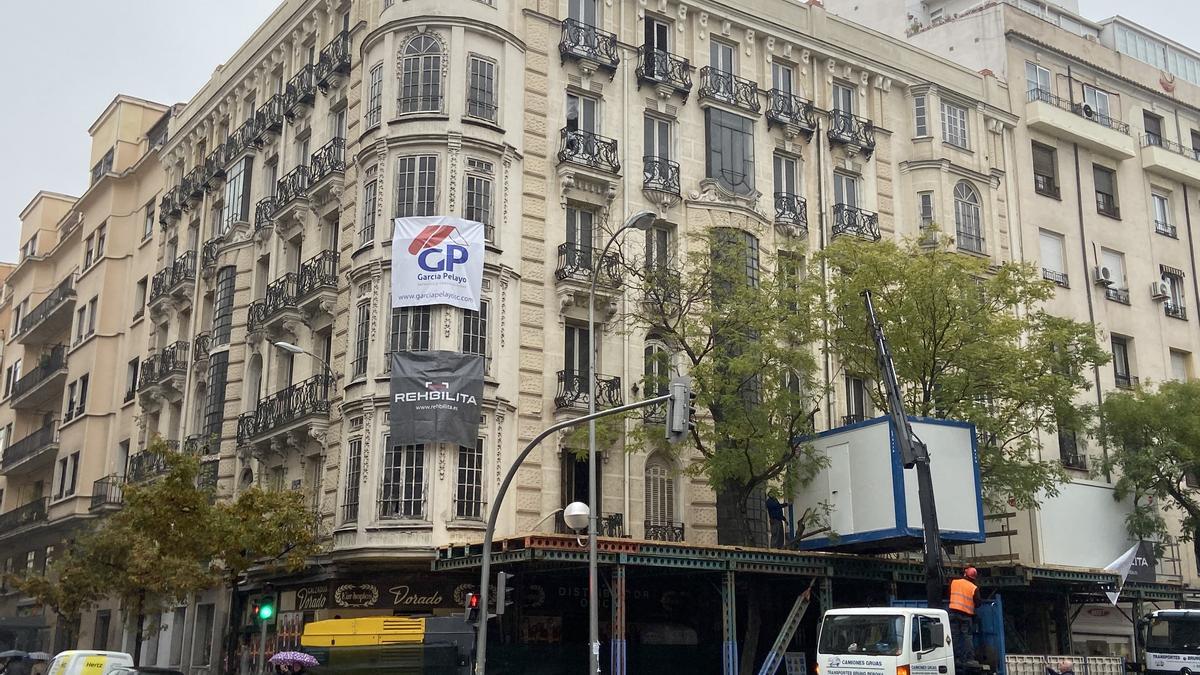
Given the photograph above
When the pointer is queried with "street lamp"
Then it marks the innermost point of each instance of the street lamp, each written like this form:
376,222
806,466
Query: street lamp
639,221
295,349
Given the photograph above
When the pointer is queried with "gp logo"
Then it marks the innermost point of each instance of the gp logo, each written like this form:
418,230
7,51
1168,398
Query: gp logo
431,255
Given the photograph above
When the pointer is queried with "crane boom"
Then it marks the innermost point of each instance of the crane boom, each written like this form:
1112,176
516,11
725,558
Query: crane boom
913,453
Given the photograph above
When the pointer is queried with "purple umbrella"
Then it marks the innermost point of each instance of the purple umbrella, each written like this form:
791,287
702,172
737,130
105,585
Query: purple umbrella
293,659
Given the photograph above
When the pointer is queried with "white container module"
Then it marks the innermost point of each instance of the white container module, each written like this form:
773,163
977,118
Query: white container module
872,498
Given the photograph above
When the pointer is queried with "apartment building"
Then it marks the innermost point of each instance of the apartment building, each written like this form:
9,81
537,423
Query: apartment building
72,345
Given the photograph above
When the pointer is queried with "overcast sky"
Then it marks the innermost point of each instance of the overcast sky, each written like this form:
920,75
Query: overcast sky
66,59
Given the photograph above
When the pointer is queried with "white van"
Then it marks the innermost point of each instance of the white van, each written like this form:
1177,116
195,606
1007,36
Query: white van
88,662
885,641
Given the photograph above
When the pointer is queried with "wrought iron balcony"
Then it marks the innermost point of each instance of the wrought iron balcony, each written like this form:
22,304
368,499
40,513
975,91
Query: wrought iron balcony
170,206
200,346
160,283
23,516
199,445
1120,295
1175,310
1082,109
209,251
334,61
36,443
280,295
195,181
328,160
291,187
791,211
853,418
663,68
42,384
1046,185
256,316
148,373
146,465
1166,229
607,525
660,175
1074,460
1126,381
183,270
664,531
581,41
286,407
206,478
51,316
792,111
268,119
1059,278
575,262
573,390
301,91
263,211
108,491
856,222
318,273
214,168
173,361
852,130
243,138
728,88
588,149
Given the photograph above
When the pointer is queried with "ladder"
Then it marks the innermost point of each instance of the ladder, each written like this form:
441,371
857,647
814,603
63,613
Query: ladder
775,657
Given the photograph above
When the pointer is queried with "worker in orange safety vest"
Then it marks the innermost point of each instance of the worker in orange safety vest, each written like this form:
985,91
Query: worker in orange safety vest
964,597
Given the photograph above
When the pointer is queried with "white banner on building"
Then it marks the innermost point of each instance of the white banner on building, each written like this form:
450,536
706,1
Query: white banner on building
437,260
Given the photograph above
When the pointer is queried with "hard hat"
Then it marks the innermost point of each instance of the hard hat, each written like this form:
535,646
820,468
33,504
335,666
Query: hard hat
971,573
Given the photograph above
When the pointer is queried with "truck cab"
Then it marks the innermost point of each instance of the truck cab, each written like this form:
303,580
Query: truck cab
1172,640
885,641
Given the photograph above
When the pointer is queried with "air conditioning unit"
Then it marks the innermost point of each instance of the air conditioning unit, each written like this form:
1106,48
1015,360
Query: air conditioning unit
1088,111
1103,276
1160,290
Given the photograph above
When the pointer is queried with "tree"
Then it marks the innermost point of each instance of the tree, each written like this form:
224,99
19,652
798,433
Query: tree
1153,438
970,342
729,319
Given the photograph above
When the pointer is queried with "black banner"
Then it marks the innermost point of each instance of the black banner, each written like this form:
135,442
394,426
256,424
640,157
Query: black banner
416,593
435,397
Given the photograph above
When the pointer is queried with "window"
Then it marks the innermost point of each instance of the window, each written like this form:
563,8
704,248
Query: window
658,247
131,378
375,96
720,57
30,248
410,329
139,297
11,375
353,477
1153,124
76,398
89,252
925,205
579,231
781,77
362,341
202,635
575,351
1097,100
101,237
583,11
582,113
416,186
475,330
656,140
660,492
1121,371
403,490
1052,249
927,634
237,194
1162,214
920,116
104,166
785,176
1181,365
738,246
1045,170
19,314
1115,262
730,140
845,189
177,622
857,400
468,495
478,202
421,76
1037,78
366,231
843,98
148,221
656,368
91,312
214,404
954,125
68,474
1106,191
1176,297
100,632
967,221
223,306
1196,145
80,322
481,89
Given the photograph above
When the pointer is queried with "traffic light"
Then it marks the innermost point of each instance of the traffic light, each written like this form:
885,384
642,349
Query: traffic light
681,410
255,607
503,592
265,611
471,608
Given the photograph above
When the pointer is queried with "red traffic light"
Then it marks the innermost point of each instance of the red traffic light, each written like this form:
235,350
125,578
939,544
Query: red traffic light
473,600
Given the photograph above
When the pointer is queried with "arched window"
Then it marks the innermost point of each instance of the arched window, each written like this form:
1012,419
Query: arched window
967,221
660,492
421,76
657,362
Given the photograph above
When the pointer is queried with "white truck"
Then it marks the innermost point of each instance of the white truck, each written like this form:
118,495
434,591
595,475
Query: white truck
885,641
1172,642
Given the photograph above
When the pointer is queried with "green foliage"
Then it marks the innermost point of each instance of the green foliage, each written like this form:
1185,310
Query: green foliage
274,529
969,342
1154,444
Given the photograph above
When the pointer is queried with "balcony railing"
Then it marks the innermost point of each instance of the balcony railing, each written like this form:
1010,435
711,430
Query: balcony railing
607,525
206,478
334,60
856,222
1074,460
969,241
146,465
589,149
50,364
173,360
198,445
787,108
263,211
29,514
310,397
195,181
660,175
575,262
661,67
29,446
160,283
256,316
664,531
573,390
853,418
301,90
328,159
281,294
269,116
169,206
214,168
1167,144
62,293
582,41
292,186
1120,295
1106,204
719,85
242,139
791,210
1082,109
1045,185
1175,310
1166,229
183,270
319,271
852,129
208,252
1059,278
1125,380
201,344
148,373
108,491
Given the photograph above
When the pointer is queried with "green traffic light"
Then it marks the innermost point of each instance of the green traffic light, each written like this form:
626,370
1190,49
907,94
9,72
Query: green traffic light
266,610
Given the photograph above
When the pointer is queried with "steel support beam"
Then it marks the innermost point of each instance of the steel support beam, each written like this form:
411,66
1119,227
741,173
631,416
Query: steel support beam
618,641
729,651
